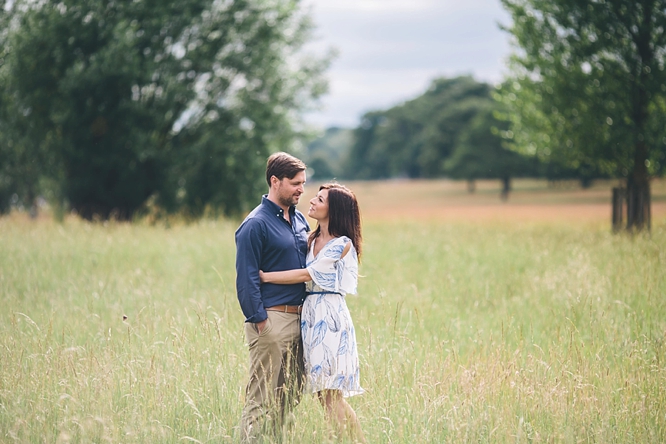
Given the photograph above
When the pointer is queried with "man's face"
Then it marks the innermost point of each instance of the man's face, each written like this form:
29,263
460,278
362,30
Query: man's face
289,191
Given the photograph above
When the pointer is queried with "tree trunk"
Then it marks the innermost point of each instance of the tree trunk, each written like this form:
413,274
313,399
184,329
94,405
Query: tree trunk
619,195
471,186
506,187
638,182
638,192
31,202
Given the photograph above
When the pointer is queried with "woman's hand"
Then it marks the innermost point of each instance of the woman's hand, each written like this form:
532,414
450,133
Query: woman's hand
262,277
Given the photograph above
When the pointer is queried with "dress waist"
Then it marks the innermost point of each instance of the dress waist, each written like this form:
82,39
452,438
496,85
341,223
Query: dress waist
323,292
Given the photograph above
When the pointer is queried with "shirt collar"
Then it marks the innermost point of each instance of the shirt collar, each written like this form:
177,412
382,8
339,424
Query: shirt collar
275,208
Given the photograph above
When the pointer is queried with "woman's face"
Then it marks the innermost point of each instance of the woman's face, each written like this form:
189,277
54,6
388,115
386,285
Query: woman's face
319,206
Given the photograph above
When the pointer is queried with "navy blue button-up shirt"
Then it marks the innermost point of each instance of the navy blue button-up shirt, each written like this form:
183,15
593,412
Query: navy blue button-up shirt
266,241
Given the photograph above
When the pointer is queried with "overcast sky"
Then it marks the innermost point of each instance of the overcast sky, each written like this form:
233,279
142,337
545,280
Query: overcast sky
390,50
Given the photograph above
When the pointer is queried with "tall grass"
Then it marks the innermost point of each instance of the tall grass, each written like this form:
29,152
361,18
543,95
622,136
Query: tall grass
467,333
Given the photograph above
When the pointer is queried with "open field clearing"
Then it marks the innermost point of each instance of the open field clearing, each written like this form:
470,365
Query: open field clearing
488,325
530,200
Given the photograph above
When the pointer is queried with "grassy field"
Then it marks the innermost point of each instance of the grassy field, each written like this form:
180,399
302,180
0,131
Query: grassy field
477,322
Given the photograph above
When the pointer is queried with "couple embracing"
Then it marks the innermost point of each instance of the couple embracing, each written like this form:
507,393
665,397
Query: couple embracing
291,285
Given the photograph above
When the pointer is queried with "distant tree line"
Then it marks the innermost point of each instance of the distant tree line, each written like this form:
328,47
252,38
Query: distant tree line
111,108
456,129
107,107
585,98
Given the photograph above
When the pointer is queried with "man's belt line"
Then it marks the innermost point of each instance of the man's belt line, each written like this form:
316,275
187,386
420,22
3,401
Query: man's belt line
293,309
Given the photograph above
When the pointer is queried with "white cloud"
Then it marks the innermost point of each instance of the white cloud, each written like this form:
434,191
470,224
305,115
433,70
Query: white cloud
373,5
391,49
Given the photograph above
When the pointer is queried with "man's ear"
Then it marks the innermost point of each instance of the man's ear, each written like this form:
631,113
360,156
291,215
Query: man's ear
274,181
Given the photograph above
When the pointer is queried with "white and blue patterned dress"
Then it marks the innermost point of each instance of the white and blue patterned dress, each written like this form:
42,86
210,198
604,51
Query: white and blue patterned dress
329,340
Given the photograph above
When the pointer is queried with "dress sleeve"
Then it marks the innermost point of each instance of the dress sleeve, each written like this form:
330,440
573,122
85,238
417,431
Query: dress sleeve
333,273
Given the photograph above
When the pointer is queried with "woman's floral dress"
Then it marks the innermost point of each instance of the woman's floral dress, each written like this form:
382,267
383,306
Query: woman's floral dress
329,341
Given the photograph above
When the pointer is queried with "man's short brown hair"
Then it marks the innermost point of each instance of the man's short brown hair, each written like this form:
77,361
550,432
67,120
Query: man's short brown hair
283,165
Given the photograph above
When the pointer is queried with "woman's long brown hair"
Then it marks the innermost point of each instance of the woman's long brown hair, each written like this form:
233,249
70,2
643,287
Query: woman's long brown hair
344,216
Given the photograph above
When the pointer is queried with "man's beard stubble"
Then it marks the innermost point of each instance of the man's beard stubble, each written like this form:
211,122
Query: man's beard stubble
288,201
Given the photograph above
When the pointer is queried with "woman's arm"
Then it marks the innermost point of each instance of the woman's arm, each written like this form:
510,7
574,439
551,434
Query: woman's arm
295,276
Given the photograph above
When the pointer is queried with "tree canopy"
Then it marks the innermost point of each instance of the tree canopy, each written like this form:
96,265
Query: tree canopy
480,152
114,103
449,131
325,154
414,139
589,88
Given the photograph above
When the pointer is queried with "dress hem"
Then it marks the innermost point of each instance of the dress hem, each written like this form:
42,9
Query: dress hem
345,393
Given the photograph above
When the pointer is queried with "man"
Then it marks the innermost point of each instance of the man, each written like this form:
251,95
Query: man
273,237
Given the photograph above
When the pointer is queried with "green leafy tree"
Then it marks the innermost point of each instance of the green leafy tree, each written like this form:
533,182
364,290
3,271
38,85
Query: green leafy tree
589,88
325,154
365,161
179,101
22,153
415,138
480,153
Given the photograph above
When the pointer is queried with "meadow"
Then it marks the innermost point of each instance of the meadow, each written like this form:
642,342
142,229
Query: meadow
477,321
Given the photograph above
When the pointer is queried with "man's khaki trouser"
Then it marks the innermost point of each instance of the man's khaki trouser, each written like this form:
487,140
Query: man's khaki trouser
276,376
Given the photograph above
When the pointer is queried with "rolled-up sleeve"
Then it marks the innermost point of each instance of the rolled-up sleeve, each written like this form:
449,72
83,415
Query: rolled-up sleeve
249,241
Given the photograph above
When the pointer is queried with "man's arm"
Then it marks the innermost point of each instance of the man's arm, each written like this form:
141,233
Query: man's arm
249,242
295,276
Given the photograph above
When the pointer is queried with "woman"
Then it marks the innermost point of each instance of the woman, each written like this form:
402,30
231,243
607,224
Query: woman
329,341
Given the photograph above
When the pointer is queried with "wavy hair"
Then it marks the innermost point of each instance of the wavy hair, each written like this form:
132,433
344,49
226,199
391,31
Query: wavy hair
344,215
